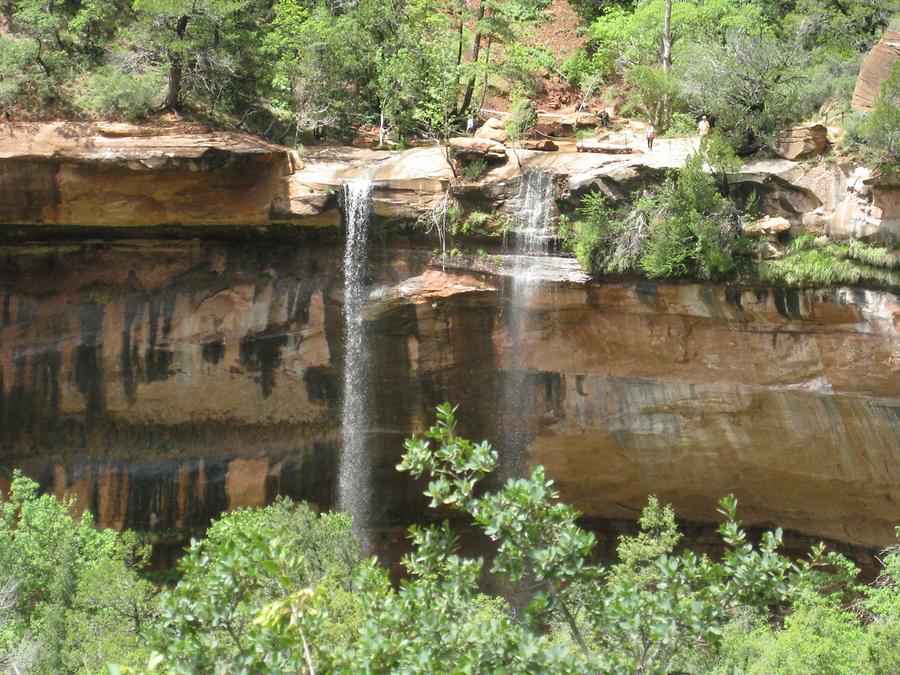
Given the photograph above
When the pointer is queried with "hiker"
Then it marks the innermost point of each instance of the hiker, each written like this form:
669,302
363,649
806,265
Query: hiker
470,124
703,126
651,134
604,119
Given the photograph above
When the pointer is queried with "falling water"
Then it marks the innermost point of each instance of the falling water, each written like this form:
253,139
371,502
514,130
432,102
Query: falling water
354,477
532,239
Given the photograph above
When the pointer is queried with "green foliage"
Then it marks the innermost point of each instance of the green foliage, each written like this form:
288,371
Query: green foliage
480,224
522,119
282,589
656,92
107,93
624,37
648,613
526,10
225,612
881,132
811,261
67,587
681,124
747,82
823,633
112,613
687,229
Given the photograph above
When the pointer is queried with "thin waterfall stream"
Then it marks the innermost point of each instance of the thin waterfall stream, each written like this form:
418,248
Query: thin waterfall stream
532,238
355,471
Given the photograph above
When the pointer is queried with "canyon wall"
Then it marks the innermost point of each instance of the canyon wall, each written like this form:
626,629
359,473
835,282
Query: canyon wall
165,382
67,176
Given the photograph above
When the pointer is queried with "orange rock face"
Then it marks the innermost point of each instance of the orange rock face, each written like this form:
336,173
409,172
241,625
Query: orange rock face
163,382
106,175
876,68
166,382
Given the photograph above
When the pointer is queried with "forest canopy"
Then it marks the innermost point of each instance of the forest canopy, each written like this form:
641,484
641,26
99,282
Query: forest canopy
421,67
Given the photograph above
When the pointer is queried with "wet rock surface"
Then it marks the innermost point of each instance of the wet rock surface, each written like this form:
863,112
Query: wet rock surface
165,382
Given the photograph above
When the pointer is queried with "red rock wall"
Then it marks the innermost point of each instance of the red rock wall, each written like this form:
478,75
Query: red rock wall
876,68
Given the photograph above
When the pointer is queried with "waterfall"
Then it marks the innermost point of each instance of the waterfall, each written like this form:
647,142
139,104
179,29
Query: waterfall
355,472
532,240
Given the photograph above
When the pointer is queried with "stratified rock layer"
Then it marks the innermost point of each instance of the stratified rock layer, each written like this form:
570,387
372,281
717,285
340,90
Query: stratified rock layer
166,382
123,176
876,68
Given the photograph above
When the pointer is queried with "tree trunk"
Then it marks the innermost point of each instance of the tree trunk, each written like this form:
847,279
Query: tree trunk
487,65
667,39
173,92
476,50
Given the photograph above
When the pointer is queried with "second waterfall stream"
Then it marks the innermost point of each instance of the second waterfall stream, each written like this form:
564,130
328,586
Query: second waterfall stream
355,471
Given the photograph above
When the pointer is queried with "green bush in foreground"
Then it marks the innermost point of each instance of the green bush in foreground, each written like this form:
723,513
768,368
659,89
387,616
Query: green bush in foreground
283,590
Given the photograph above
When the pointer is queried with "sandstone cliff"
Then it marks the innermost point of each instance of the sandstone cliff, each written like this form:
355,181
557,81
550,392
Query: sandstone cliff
121,176
164,381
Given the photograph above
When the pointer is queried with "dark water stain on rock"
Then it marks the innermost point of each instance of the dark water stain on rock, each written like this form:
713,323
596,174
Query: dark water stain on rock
733,297
158,355
323,383
130,353
213,351
787,303
89,360
261,353
648,293
45,370
307,475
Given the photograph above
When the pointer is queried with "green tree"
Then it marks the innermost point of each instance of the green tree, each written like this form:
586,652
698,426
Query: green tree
223,614
47,558
882,129
649,612
211,48
747,82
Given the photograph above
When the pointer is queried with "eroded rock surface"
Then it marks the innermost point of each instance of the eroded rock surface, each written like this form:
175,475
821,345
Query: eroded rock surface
876,68
167,382
121,176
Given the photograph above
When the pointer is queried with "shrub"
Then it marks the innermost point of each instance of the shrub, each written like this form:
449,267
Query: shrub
108,92
605,243
811,261
696,232
19,72
882,130
474,169
681,123
656,91
688,229
522,119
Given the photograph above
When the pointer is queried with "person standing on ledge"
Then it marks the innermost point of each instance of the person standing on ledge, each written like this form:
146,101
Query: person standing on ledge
703,127
650,134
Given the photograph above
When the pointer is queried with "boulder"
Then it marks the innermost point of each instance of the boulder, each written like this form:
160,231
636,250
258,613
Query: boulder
876,68
769,250
576,120
543,144
565,125
605,148
472,148
803,141
767,226
494,130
